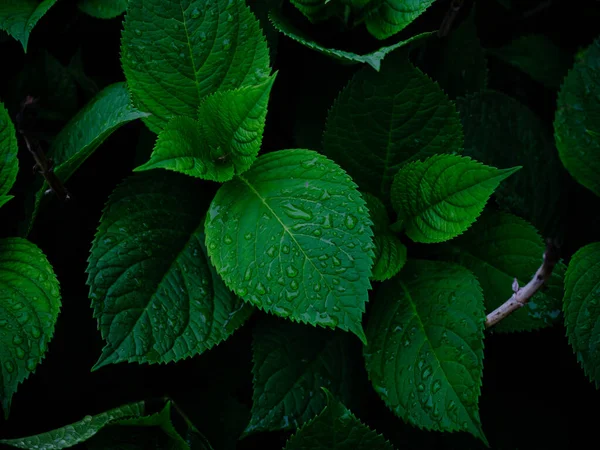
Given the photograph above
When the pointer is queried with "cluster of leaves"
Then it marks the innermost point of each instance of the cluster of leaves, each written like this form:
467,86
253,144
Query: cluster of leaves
305,234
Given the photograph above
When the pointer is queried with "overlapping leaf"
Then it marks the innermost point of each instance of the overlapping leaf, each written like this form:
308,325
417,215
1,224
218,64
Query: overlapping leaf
29,307
103,9
318,10
175,53
18,18
9,165
425,352
154,293
292,236
385,18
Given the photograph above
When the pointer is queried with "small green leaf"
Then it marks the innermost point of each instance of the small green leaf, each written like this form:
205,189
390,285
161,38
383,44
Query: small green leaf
425,352
336,428
18,18
577,121
291,364
71,435
381,121
582,308
103,9
29,307
174,55
155,295
292,236
440,198
9,164
223,142
385,18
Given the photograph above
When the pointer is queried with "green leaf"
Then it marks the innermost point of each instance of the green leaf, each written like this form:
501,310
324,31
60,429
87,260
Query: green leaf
385,18
9,164
582,310
498,248
440,198
374,58
577,121
291,364
292,236
336,428
155,295
176,53
29,306
425,352
261,9
103,9
18,18
494,122
381,121
223,142
318,10
71,435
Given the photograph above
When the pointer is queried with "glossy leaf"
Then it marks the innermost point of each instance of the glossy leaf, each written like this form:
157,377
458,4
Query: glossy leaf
385,18
154,293
176,53
103,9
425,352
9,165
440,198
29,307
292,236
18,18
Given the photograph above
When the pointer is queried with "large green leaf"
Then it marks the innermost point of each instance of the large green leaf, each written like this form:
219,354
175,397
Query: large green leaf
582,308
336,428
498,248
425,352
577,121
440,198
19,17
385,18
154,293
175,53
292,236
29,307
225,139
291,365
103,9
71,435
9,165
381,121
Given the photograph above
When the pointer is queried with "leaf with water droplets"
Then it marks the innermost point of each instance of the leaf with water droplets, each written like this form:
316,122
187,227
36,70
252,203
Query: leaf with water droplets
425,352
336,428
155,294
29,307
174,55
309,255
9,165
582,308
18,18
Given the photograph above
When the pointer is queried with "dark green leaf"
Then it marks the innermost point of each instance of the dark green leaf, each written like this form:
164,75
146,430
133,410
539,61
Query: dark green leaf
103,9
18,17
385,18
9,165
261,9
318,10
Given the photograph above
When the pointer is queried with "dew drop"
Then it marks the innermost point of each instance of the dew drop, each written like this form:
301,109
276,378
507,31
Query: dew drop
242,292
212,246
282,311
421,387
336,261
350,221
272,251
317,287
138,32
317,232
195,13
295,212
36,332
17,340
260,289
327,222
294,285
325,196
285,249
87,419
248,236
291,295
20,353
436,386
248,274
9,366
291,271
227,239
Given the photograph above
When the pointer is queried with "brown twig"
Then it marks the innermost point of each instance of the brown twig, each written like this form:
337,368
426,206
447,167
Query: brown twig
522,294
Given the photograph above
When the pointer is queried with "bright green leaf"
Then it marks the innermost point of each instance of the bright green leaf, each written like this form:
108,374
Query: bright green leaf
29,306
440,198
385,18
381,121
9,165
154,293
175,53
223,142
292,236
291,365
336,428
425,352
582,308
19,17
103,9
577,121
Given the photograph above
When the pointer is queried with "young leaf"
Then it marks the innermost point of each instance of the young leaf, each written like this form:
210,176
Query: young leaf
336,428
9,165
373,58
425,352
155,295
291,364
382,120
18,18
385,18
582,310
175,54
29,306
292,236
440,198
223,142
577,121
71,435
498,248
103,9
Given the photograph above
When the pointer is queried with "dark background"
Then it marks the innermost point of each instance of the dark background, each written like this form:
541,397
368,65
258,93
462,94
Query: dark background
534,394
